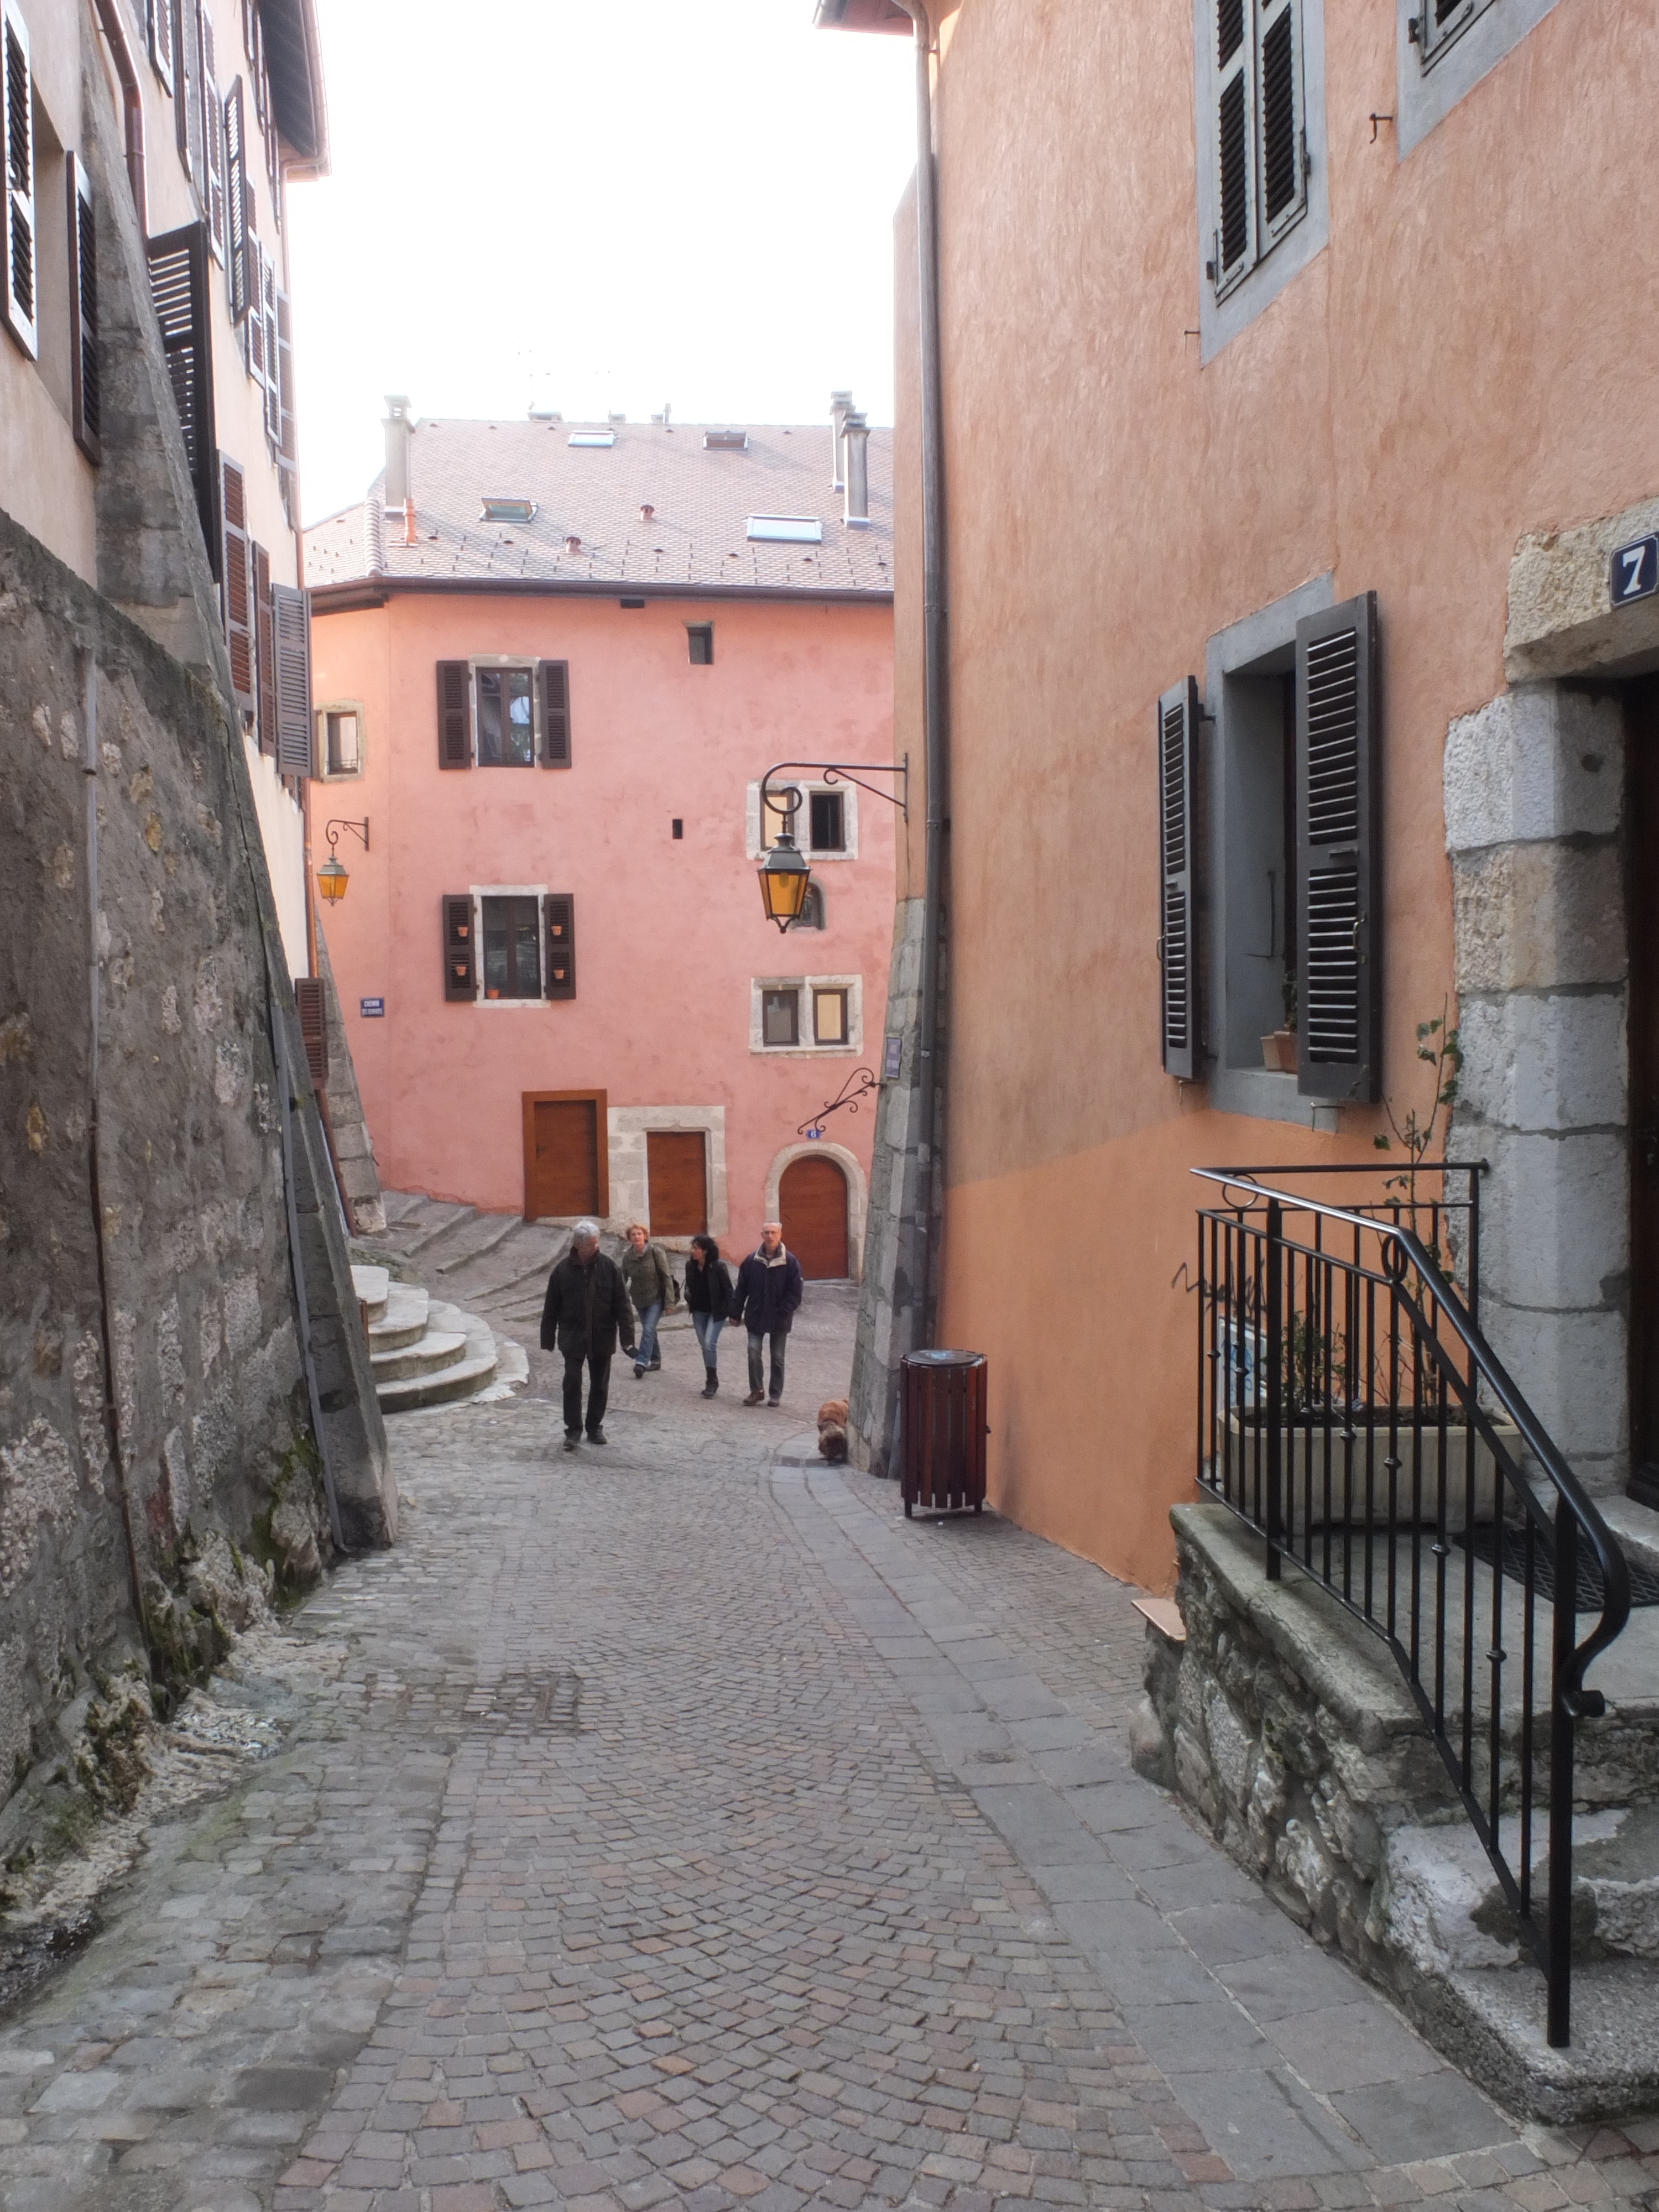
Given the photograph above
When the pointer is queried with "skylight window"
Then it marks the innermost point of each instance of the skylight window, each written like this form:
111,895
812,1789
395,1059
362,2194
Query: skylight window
785,529
508,510
592,437
726,441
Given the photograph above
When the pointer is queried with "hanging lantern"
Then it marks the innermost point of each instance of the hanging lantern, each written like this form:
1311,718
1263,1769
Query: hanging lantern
784,876
331,880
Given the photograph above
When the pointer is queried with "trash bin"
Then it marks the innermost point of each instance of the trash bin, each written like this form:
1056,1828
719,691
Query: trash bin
943,1417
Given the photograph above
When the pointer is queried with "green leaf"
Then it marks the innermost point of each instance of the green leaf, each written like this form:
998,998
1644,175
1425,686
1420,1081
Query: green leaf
1382,1144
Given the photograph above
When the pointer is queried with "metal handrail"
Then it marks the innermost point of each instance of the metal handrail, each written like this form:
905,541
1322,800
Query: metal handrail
1250,1257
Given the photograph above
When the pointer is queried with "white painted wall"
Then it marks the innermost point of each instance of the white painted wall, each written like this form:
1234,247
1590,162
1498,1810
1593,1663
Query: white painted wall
282,826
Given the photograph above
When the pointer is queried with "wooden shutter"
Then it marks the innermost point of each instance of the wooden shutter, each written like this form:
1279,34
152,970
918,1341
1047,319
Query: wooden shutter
291,618
1177,944
454,716
1235,80
1282,184
273,161
313,1025
158,19
460,954
235,583
22,312
213,132
187,87
236,230
268,309
178,288
561,946
265,645
85,401
1339,875
555,713
285,441
255,327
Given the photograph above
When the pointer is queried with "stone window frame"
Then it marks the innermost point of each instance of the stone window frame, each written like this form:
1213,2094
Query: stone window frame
322,709
1428,86
849,822
806,1049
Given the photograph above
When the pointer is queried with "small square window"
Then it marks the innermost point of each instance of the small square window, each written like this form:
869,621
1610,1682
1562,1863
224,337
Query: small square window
511,949
341,741
507,735
679,825
829,1017
828,822
700,637
780,1017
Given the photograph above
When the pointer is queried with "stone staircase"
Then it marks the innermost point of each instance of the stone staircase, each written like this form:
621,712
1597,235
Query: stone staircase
426,1351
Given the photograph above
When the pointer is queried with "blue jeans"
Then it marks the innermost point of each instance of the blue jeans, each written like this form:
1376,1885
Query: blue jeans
708,1326
647,1345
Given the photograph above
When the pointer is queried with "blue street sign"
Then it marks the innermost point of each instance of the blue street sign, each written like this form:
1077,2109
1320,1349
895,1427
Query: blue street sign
372,1010
1635,572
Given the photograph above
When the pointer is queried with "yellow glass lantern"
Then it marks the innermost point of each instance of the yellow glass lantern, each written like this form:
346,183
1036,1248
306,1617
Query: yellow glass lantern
331,880
784,876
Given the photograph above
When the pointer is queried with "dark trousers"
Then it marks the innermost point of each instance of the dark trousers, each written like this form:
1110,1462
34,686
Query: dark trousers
599,1390
779,1341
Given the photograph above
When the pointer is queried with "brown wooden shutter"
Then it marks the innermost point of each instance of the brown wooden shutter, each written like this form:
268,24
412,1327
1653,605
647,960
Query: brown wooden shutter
236,229
291,615
187,87
159,17
555,713
461,956
264,640
85,397
561,945
1177,944
18,248
313,1025
235,585
1339,852
285,442
454,717
179,288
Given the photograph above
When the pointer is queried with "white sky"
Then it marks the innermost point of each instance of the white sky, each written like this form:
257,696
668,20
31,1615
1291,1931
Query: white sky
599,204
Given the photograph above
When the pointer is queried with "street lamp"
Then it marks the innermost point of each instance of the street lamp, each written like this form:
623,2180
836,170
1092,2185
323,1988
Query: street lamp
331,878
784,873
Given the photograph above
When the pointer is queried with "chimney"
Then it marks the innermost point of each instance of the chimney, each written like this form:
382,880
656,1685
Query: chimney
646,510
855,434
841,406
398,428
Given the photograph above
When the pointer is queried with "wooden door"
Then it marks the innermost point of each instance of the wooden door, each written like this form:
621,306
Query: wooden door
564,1163
1642,741
676,1182
812,1206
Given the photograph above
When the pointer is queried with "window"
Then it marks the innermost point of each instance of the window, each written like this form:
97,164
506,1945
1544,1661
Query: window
700,638
829,1018
825,823
341,742
1440,21
811,911
507,722
1442,50
780,1017
512,948
785,529
508,510
1259,155
828,825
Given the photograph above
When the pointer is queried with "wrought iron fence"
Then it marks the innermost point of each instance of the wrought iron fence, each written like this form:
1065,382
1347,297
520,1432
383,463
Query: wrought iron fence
1351,1411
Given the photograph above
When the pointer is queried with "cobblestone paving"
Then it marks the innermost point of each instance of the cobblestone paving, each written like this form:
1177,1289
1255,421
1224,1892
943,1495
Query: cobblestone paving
673,1824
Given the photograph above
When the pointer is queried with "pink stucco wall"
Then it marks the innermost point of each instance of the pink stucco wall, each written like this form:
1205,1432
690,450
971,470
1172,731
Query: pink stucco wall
669,932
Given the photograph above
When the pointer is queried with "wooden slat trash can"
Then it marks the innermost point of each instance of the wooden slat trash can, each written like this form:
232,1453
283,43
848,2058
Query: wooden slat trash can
944,1430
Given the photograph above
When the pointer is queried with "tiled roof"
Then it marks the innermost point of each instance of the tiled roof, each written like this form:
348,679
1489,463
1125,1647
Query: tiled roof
697,533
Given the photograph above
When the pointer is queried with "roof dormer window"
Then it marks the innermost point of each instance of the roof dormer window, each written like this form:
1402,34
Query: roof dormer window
508,510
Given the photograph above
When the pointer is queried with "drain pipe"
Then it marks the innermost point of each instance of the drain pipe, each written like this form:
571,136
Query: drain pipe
930,1182
132,105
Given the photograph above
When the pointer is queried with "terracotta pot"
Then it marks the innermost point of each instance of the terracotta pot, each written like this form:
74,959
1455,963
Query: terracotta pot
1286,1040
1270,1052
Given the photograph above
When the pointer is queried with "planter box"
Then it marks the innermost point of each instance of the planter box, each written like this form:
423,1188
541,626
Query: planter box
1347,1463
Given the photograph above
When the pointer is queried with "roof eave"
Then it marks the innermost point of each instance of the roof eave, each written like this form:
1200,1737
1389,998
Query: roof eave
294,58
863,15
351,594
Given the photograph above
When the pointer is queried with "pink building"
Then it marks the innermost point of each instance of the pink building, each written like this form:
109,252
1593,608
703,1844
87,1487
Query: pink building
551,664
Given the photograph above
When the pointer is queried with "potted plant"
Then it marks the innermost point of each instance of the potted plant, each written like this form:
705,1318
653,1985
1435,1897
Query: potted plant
1279,1049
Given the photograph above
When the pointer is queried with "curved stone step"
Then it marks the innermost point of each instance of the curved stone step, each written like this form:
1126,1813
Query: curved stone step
435,1350
463,1378
372,1285
403,1320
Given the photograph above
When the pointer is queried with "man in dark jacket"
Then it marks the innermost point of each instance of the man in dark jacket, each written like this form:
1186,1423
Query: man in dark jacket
768,1294
586,1310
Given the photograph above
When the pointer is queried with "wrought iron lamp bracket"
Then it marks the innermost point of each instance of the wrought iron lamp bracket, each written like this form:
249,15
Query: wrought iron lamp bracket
787,797
848,1097
331,831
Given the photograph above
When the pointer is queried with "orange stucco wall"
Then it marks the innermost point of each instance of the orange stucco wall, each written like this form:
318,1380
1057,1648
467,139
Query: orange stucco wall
1465,362
669,932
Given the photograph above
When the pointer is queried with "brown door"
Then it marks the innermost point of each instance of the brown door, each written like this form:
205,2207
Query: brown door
812,1205
677,1186
1642,737
562,1170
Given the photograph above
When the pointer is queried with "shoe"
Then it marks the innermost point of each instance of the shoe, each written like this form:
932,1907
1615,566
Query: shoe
712,1386
572,1439
656,1367
775,1402
638,1370
598,1436
756,1398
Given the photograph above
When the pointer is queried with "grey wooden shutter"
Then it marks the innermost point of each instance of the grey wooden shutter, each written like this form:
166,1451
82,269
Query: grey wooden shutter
158,19
179,289
213,134
285,441
273,390
1282,184
22,313
1177,787
236,230
85,397
1338,854
561,912
265,645
254,329
555,713
454,716
291,616
235,584
460,962
247,8
1235,88
187,87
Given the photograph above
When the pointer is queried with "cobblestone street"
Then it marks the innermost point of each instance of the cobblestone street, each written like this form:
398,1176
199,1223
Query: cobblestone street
674,1823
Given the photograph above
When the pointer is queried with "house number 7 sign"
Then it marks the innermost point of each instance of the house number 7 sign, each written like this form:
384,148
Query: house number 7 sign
1635,570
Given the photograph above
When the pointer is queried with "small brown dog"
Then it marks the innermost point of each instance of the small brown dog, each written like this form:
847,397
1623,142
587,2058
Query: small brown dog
832,1430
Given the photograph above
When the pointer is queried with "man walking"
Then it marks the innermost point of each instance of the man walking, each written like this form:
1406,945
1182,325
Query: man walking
586,1309
768,1294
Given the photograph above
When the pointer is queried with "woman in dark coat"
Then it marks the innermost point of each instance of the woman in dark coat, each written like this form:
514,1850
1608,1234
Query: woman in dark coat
709,1296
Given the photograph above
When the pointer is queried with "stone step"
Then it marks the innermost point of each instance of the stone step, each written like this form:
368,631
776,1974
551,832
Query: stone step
434,1349
432,1232
403,1320
372,1285
462,1378
504,1226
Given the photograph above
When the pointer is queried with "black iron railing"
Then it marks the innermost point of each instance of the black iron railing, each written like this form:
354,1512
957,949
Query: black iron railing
1351,1411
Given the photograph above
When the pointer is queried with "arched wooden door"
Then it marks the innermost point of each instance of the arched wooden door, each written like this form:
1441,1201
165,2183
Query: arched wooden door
812,1207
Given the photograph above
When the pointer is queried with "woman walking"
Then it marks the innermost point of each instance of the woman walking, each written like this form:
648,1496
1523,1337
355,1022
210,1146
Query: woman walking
709,1296
651,1285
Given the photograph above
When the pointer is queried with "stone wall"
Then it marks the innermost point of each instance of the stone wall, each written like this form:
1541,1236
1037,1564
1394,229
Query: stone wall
353,1146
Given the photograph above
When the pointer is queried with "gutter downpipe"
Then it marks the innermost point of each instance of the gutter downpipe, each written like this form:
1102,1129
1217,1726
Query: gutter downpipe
133,105
935,707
